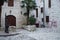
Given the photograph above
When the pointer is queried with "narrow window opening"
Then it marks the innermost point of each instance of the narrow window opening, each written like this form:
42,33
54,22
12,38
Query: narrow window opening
49,4
36,12
42,10
47,18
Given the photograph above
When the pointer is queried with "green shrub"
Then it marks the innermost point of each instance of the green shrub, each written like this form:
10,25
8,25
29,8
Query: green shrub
32,20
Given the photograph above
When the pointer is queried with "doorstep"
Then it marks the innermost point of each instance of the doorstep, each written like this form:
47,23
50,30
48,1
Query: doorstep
11,33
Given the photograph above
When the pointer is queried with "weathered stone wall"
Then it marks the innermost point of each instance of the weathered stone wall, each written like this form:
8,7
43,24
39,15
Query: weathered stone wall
16,11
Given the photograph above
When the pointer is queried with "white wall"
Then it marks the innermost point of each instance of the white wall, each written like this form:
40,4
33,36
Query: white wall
15,11
39,3
53,12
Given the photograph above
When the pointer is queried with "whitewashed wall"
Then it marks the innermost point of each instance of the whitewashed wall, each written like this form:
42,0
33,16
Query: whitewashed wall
39,3
53,12
15,11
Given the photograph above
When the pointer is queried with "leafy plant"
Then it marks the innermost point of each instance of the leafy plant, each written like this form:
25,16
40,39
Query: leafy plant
32,20
29,5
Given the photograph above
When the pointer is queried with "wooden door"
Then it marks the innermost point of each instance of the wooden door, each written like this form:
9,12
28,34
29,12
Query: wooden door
11,20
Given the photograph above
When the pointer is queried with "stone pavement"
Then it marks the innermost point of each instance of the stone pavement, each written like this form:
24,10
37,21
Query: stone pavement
11,33
38,34
16,35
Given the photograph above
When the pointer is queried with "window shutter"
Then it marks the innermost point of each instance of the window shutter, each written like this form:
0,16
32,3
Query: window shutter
42,10
49,3
36,12
10,2
47,18
42,19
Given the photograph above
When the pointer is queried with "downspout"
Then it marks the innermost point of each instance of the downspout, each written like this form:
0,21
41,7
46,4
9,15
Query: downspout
44,14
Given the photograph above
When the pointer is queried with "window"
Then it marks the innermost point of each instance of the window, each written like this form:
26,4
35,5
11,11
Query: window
49,3
0,11
47,18
42,19
36,12
10,2
42,10
0,15
41,0
5,0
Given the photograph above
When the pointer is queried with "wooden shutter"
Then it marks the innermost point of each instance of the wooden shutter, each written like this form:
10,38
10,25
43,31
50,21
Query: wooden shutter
10,2
49,3
36,12
47,18
42,10
42,19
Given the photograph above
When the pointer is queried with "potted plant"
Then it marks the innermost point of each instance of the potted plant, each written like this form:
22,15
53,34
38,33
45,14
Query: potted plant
32,20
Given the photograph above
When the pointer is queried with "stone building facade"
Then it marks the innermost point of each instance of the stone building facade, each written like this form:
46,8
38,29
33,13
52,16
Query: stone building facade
52,11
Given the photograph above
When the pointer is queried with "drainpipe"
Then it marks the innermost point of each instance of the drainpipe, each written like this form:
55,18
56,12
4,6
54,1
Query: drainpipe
44,14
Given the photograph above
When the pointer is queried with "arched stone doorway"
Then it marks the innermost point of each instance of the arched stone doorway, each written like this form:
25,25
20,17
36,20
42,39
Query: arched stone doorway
10,20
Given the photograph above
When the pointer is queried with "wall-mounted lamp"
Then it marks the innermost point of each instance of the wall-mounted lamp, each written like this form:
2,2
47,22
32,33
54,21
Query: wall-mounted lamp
21,12
10,11
5,14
